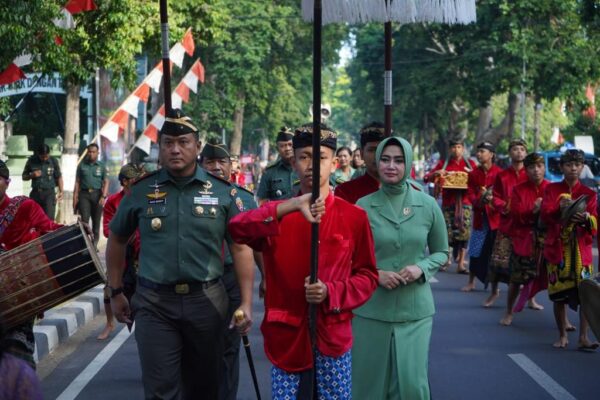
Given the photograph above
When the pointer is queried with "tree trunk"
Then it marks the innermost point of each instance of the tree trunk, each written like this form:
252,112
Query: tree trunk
537,114
504,129
235,144
69,156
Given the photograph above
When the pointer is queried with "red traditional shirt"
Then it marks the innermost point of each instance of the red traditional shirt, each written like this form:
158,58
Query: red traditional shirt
346,267
353,190
553,249
480,178
449,195
109,211
30,222
522,217
503,187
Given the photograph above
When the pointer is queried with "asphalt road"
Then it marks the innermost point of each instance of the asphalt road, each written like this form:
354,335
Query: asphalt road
472,356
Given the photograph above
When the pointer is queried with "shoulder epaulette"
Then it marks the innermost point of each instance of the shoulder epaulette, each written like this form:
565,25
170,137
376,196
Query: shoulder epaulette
296,182
147,175
243,188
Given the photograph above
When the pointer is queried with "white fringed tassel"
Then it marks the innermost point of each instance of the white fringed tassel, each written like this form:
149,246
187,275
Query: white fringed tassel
403,11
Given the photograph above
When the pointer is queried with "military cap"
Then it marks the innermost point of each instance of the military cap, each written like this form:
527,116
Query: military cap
215,150
533,158
303,137
486,145
373,132
517,142
572,155
4,170
177,124
131,171
285,134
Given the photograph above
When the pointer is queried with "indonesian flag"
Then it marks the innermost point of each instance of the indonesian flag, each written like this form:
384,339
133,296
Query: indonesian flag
14,72
77,6
557,137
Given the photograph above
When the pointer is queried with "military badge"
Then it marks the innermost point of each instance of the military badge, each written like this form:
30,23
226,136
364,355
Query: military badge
233,192
406,211
213,211
206,188
156,224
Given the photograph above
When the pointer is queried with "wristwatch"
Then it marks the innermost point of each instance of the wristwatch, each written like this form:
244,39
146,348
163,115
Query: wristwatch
112,292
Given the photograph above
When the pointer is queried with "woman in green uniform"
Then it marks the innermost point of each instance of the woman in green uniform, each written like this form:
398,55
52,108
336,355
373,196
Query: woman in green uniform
393,329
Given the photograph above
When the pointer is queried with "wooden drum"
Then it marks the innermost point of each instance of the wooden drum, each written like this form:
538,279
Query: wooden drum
45,272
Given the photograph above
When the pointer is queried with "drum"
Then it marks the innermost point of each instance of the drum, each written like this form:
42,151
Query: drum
45,272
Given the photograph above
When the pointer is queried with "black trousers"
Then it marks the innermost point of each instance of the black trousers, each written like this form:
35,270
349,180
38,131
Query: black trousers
180,341
46,198
89,207
230,375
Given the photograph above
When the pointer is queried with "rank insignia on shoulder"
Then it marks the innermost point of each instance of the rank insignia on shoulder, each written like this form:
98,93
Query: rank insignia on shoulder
239,203
233,192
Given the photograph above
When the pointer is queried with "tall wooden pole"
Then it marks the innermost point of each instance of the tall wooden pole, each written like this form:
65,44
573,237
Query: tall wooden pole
164,28
387,93
316,173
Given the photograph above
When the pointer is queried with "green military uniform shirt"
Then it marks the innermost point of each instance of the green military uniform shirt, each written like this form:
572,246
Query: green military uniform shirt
276,182
91,175
50,172
182,225
248,203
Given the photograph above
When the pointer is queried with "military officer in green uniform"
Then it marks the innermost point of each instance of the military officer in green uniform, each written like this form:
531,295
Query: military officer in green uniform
277,180
91,189
180,305
44,172
215,158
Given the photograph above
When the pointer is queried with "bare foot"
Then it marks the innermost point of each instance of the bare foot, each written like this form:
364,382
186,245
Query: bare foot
586,345
462,270
469,287
569,327
491,299
507,320
106,332
534,305
562,343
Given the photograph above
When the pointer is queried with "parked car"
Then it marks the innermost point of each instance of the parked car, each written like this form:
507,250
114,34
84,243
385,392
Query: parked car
554,174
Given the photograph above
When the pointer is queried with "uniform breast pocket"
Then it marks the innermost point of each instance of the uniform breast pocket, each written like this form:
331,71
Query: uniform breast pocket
205,211
278,188
154,221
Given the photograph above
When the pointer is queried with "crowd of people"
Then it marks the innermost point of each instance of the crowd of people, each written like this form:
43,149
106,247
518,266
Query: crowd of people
183,243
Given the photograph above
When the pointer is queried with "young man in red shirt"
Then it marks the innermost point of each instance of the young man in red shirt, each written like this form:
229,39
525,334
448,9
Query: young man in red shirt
347,275
456,205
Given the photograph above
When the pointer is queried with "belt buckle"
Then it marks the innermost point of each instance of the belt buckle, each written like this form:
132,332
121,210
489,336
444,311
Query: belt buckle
91,190
182,288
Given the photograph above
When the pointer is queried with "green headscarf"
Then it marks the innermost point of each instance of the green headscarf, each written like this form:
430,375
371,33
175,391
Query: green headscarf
402,186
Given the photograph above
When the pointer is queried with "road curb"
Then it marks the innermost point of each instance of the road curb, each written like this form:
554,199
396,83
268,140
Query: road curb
62,322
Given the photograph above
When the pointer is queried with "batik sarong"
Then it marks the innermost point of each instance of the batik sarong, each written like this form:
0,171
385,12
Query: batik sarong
499,261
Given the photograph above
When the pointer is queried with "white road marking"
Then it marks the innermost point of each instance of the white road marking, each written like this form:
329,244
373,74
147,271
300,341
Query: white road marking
543,379
79,383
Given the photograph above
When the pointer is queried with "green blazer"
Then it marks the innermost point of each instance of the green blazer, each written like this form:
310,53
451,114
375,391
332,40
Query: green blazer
401,239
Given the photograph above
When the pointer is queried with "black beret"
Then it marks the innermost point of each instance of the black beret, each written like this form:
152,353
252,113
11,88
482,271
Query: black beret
4,170
486,145
215,150
572,155
177,124
373,132
285,134
533,158
303,137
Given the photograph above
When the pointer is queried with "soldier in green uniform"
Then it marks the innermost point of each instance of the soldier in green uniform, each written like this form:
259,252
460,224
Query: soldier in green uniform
180,304
215,158
277,180
91,189
44,172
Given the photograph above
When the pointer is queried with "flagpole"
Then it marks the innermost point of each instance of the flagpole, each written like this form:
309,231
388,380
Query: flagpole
164,27
387,101
316,173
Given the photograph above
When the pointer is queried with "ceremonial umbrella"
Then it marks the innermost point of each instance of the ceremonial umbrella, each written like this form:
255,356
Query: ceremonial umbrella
362,11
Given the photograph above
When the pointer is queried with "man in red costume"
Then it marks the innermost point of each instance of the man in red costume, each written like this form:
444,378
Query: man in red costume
568,244
455,202
502,190
128,174
485,216
527,237
21,220
370,136
347,275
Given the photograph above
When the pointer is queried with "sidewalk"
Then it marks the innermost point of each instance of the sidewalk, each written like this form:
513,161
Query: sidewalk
64,320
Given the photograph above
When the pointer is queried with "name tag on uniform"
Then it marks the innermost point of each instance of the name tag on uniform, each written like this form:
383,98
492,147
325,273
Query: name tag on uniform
206,201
